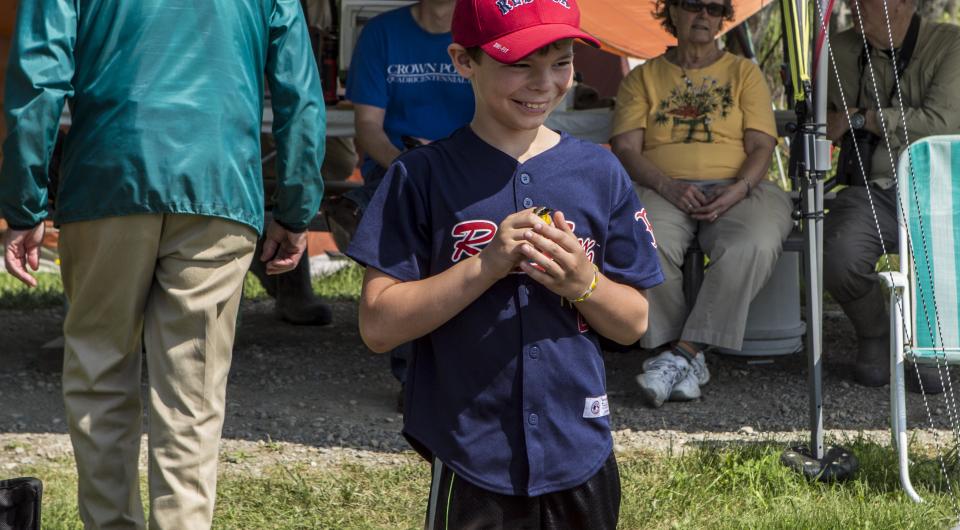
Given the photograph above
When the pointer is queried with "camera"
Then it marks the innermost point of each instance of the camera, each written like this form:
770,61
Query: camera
853,143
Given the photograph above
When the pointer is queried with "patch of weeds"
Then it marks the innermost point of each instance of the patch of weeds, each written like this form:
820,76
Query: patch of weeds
15,295
271,445
344,284
15,444
236,457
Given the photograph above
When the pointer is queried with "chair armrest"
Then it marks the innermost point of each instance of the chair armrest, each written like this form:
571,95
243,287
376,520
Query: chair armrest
900,309
894,280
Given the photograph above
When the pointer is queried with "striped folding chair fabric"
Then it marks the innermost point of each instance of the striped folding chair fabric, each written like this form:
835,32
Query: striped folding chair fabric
929,194
923,294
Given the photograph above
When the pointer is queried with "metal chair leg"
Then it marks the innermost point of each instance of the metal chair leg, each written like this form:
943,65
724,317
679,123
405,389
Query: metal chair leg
898,417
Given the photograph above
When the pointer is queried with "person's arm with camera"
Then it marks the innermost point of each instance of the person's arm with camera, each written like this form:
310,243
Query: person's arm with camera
838,123
938,112
933,112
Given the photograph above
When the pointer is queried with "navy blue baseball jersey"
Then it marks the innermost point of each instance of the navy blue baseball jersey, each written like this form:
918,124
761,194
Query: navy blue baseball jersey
511,392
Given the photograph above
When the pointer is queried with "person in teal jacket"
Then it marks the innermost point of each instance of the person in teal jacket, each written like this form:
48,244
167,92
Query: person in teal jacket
159,204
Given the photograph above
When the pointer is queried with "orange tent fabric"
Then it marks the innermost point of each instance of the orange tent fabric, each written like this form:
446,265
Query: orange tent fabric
627,27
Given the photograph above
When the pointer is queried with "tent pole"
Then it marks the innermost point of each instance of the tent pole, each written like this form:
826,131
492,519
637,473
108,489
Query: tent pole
817,155
813,150
812,191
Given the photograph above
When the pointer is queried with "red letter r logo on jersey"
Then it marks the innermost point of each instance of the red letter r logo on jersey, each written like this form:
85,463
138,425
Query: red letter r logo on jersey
471,236
642,216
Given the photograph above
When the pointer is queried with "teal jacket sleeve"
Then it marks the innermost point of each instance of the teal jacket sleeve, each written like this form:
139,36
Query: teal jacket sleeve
39,80
299,117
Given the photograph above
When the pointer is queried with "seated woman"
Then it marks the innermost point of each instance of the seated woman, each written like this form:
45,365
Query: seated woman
695,130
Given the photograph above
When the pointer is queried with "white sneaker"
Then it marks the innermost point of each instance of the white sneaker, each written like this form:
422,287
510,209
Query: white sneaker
699,366
687,389
661,374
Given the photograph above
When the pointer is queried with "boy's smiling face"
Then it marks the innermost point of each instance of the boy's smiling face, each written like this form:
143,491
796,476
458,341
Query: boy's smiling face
518,96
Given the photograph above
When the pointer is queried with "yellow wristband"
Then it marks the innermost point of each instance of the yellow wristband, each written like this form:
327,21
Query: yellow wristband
593,285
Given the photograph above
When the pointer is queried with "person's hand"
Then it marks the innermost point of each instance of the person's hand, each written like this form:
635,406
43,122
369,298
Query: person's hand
282,249
555,259
502,255
687,197
723,198
838,124
23,251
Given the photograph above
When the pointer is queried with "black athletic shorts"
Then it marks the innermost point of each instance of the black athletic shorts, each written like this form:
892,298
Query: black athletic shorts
456,504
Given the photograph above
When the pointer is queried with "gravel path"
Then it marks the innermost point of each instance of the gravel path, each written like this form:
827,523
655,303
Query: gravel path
317,396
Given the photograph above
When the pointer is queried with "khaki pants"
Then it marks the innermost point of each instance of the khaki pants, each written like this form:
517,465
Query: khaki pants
175,282
743,246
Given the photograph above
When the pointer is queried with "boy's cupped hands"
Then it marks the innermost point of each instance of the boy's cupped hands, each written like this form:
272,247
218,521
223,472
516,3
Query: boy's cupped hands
551,255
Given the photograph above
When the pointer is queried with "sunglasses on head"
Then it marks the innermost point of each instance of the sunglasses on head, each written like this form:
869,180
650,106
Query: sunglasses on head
696,6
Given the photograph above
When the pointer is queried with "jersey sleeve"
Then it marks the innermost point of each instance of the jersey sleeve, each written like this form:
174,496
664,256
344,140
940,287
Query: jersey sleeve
393,236
756,102
367,75
631,255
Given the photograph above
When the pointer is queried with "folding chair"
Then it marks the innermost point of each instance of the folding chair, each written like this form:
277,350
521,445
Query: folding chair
20,504
923,294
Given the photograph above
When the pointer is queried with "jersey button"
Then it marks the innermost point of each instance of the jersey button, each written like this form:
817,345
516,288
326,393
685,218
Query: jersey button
533,419
534,352
527,202
524,178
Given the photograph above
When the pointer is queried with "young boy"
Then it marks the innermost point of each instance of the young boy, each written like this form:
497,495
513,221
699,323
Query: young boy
506,392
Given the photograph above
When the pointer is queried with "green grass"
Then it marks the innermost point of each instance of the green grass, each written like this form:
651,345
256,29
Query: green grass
746,487
15,295
733,486
341,285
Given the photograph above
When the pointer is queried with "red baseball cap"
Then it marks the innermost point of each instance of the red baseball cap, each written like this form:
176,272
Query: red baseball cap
509,30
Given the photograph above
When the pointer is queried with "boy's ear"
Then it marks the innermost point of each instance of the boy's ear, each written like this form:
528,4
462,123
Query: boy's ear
461,60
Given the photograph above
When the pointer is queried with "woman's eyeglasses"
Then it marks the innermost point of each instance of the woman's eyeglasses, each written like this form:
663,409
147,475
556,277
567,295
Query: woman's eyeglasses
696,6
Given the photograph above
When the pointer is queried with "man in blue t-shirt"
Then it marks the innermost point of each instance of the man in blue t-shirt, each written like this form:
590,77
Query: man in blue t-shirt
403,84
406,92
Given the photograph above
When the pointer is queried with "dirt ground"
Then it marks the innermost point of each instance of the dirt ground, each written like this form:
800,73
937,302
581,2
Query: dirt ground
323,394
